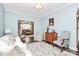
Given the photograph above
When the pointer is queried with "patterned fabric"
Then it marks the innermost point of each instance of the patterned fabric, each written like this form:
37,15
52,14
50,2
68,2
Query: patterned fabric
44,49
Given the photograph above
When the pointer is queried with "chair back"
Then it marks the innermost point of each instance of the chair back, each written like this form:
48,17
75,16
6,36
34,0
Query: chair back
65,35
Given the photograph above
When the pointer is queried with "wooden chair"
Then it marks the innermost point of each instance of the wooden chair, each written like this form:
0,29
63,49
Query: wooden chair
63,40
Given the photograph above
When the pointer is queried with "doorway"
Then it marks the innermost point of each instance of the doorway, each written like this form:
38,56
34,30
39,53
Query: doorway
78,30
26,31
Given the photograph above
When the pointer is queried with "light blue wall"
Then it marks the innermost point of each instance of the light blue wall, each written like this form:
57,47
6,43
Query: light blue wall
2,21
12,18
64,20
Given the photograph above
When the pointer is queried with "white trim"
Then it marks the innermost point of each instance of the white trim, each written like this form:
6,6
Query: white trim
8,10
73,48
51,12
54,11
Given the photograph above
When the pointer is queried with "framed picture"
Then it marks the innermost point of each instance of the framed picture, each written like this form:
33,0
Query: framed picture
51,21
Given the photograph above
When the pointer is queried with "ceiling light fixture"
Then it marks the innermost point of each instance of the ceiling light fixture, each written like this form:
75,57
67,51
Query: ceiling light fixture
39,6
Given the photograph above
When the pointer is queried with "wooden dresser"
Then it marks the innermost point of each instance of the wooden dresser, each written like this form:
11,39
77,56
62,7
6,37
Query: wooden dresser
50,37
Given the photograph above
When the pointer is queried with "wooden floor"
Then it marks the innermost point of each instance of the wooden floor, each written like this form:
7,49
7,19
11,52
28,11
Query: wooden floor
68,50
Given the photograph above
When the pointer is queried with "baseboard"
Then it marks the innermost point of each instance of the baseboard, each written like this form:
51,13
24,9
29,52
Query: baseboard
75,49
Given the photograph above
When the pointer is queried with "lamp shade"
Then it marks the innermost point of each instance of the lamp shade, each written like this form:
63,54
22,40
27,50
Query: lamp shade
7,31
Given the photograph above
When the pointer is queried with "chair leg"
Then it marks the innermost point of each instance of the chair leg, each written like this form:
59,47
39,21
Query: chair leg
67,47
61,49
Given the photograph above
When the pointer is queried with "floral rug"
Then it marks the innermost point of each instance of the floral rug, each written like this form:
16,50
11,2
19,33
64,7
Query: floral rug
44,49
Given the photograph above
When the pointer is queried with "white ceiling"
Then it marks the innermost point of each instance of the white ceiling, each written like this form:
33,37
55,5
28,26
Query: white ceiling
29,8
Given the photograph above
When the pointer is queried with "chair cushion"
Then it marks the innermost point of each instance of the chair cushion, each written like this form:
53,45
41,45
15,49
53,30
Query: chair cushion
58,42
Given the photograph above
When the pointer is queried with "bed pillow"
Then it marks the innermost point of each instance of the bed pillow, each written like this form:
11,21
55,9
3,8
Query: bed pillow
21,45
18,41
